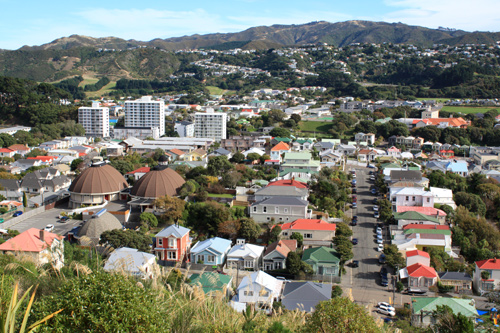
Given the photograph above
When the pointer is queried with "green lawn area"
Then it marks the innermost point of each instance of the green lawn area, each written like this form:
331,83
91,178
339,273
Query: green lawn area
438,100
468,109
104,90
220,195
88,80
315,126
218,91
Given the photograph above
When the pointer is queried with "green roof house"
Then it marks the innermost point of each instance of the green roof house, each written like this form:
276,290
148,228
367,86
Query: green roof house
323,260
414,217
422,309
211,282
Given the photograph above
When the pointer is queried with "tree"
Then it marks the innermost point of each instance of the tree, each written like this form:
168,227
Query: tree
238,157
172,208
296,118
298,236
218,166
231,179
129,238
336,291
249,230
274,234
343,230
449,322
75,163
149,218
205,217
122,166
280,132
253,157
25,200
393,257
293,263
470,201
340,315
229,229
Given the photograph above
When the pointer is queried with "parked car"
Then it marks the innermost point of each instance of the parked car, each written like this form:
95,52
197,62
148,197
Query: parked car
386,306
386,312
17,213
380,248
375,201
381,259
376,215
353,175
414,291
371,166
384,282
282,279
371,172
354,198
373,191
354,205
2,220
354,191
378,230
354,220
355,263
49,227
354,241
383,271
375,208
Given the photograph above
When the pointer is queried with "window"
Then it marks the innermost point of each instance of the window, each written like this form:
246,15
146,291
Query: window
285,234
276,210
248,264
308,236
264,209
172,243
428,199
160,241
413,199
172,255
248,293
407,198
201,258
255,209
211,258
286,210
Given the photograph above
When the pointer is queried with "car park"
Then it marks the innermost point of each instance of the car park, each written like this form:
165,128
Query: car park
380,248
17,213
49,227
354,241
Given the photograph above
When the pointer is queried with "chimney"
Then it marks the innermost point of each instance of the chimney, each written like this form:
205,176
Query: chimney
42,235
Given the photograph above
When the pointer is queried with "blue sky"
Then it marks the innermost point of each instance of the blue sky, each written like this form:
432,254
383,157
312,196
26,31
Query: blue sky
32,22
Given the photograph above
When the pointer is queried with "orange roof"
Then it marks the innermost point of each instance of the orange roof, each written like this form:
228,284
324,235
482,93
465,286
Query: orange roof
43,158
18,146
281,146
309,224
426,226
283,246
429,211
454,122
29,241
177,152
419,270
6,150
489,264
417,253
143,169
11,203
288,182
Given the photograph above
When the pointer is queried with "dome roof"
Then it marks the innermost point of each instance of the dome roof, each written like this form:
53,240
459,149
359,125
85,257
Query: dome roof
99,178
94,227
157,183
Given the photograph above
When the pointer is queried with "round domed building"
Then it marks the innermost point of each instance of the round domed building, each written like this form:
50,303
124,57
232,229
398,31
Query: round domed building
95,185
158,182
92,229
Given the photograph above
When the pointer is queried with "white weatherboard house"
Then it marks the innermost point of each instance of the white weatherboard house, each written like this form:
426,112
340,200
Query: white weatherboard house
132,261
259,288
243,256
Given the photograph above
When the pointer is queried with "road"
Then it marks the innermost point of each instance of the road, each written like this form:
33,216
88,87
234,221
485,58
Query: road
363,282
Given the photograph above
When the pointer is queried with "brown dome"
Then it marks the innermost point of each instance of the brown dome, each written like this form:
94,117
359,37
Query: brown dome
100,178
158,183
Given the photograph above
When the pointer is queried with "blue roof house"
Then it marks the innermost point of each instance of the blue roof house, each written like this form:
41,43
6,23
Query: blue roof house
212,251
460,168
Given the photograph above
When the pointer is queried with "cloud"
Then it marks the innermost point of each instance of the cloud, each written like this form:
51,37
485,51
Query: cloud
461,14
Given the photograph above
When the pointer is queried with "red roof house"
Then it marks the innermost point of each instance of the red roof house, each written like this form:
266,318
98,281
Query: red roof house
419,275
418,256
316,232
288,182
492,267
43,246
6,152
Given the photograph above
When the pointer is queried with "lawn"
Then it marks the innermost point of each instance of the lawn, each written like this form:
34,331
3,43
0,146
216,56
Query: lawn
315,126
104,90
468,109
438,100
218,91
220,195
88,80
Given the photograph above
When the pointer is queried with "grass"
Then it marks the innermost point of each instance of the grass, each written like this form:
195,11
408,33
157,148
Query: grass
104,90
438,100
220,195
218,91
468,109
315,126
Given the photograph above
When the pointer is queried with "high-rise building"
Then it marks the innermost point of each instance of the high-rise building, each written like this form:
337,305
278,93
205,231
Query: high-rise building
210,124
95,120
185,129
145,113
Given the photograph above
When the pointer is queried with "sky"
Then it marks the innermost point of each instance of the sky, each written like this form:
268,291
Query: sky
29,22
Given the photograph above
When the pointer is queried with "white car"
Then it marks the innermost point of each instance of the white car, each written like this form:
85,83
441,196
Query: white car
386,312
49,227
386,306
379,230
380,241
380,248
375,208
379,236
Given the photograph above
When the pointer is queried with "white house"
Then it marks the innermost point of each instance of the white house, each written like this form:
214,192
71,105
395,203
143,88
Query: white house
492,267
443,196
131,261
411,196
259,288
245,256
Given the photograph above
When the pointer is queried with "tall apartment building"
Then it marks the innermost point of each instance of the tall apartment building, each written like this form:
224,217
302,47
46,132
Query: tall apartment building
95,120
185,129
145,113
210,124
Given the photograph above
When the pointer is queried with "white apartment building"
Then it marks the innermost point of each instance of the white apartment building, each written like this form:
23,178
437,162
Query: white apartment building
145,113
210,125
185,129
95,120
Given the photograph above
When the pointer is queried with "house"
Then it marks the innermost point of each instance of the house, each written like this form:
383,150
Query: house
423,309
172,244
245,256
279,149
410,196
212,283
211,251
365,138
485,282
280,208
329,156
25,164
276,253
43,246
176,153
221,152
20,149
459,168
421,237
195,155
316,232
323,145
323,260
418,256
411,217
297,173
461,281
394,152
439,214
133,262
254,150
419,275
259,288
281,191
302,144
288,182
7,152
443,196
138,173
368,155
302,160
304,296
114,150
348,150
